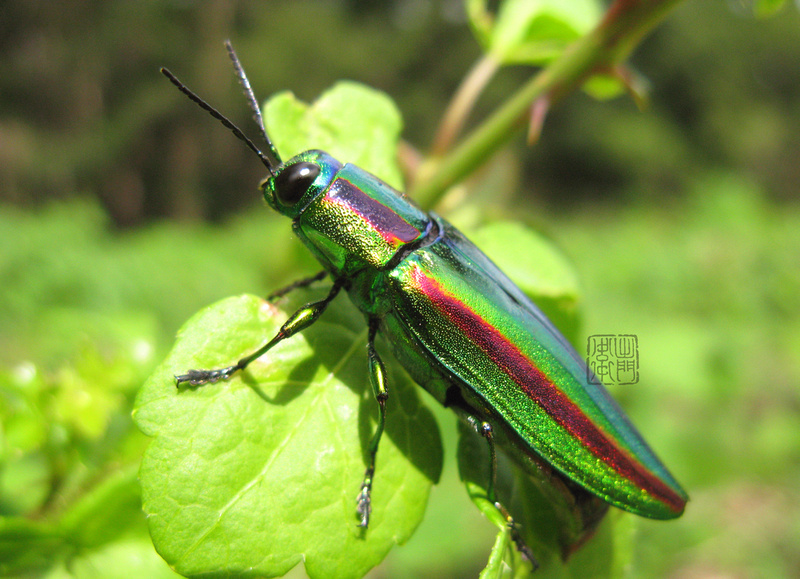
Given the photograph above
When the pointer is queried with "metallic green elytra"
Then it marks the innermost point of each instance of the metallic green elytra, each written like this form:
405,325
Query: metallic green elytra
460,328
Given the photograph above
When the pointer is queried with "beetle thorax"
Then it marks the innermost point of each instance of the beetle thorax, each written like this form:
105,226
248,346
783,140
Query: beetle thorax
359,222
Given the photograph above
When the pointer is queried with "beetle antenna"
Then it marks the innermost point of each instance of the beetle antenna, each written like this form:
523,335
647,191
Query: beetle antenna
222,119
251,98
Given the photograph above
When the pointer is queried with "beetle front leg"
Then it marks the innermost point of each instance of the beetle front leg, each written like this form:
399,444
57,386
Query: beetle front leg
485,430
377,377
298,321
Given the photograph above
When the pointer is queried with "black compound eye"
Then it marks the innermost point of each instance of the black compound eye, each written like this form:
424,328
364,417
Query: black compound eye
293,182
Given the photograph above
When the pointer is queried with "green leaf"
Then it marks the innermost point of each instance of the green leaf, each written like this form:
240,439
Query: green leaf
354,123
256,474
107,515
24,483
108,509
27,546
546,517
504,556
532,31
128,557
496,566
536,32
603,86
765,8
537,267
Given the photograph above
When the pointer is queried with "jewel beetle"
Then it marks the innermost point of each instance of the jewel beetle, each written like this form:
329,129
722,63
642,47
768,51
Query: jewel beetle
461,329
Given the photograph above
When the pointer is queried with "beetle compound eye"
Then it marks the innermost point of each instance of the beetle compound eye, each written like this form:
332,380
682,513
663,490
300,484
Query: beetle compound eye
293,182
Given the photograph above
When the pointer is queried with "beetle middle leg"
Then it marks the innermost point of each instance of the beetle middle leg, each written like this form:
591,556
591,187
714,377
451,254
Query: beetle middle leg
305,282
485,430
377,377
298,321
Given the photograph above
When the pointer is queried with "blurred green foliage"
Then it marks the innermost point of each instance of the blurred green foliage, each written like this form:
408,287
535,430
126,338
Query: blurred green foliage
89,115
682,222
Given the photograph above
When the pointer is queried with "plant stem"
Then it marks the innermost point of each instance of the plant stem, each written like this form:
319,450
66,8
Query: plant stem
462,103
611,41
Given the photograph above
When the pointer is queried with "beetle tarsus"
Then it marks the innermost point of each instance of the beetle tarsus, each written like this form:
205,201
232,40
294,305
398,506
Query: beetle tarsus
200,377
523,549
364,501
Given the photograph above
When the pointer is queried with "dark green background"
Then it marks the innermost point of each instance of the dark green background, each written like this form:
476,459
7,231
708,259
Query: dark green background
123,211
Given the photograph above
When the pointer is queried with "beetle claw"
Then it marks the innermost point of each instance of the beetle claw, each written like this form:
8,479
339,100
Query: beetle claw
522,547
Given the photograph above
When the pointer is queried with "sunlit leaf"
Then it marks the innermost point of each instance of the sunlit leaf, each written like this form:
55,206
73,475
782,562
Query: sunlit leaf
257,474
352,122
532,31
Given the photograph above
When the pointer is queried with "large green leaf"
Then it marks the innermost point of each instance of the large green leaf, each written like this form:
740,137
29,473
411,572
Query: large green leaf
256,474
354,123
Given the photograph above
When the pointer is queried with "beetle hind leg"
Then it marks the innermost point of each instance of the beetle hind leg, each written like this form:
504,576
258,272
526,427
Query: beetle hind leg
485,430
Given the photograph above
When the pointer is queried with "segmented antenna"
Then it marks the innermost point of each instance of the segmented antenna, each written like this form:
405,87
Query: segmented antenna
251,99
268,163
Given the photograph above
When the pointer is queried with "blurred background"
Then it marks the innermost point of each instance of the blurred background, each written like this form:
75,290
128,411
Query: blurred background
123,211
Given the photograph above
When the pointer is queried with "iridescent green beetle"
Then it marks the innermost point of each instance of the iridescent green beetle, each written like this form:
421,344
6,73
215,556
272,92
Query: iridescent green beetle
459,326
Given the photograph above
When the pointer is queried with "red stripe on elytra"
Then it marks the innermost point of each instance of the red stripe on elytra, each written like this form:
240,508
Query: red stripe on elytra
543,391
394,230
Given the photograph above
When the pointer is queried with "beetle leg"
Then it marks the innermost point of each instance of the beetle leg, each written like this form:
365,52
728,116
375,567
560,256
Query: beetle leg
377,377
305,282
485,430
298,321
